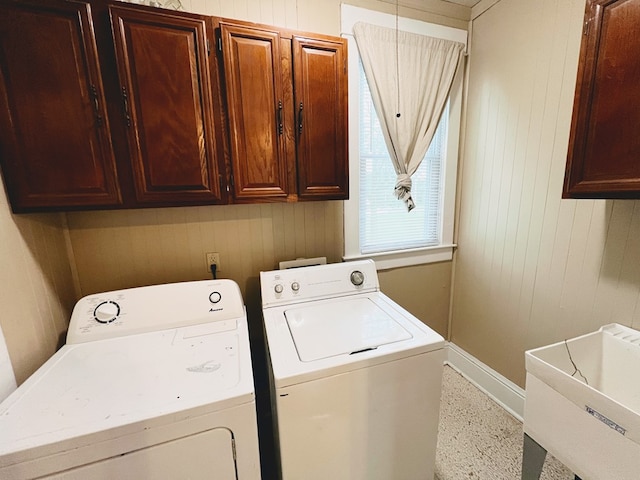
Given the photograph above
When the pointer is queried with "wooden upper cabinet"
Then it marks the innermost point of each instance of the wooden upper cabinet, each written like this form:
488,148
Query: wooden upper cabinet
255,103
55,144
168,104
604,146
287,107
320,86
111,105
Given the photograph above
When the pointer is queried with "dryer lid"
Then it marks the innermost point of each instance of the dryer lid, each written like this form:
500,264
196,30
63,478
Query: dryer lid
94,387
341,327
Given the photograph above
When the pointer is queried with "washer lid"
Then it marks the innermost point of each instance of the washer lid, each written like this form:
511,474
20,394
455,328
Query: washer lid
341,327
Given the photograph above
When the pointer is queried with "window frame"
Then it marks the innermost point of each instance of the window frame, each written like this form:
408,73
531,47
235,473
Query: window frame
414,256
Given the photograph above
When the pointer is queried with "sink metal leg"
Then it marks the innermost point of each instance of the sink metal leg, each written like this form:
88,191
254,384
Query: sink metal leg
533,456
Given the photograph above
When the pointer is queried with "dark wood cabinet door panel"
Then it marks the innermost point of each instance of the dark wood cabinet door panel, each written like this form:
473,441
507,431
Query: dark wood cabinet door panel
168,105
320,88
55,146
111,105
254,87
604,147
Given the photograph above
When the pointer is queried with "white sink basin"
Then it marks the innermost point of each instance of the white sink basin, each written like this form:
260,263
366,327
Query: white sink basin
583,402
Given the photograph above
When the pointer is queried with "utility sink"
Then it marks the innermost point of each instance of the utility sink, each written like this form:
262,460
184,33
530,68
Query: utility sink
583,403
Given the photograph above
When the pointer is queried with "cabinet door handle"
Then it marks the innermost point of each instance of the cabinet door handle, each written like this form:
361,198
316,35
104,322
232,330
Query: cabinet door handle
125,101
300,124
280,129
96,105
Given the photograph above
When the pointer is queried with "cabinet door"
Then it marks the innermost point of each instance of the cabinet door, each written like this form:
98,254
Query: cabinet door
604,147
254,85
166,87
320,89
55,146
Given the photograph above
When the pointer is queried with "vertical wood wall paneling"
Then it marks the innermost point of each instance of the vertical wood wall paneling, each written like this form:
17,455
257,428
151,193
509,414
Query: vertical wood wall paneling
615,250
37,291
531,268
168,245
539,144
625,309
120,249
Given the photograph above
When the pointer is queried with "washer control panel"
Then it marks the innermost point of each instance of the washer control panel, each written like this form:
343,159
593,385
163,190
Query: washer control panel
357,278
299,284
106,312
153,308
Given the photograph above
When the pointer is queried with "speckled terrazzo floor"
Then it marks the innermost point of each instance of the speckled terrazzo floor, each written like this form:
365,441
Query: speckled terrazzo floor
479,440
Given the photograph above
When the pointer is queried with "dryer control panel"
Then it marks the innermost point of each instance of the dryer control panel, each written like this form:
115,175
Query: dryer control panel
157,307
281,287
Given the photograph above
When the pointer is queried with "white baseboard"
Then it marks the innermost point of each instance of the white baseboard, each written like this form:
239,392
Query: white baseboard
502,390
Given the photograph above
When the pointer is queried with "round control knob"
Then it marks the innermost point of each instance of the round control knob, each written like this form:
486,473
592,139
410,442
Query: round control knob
106,312
295,286
215,297
278,288
357,278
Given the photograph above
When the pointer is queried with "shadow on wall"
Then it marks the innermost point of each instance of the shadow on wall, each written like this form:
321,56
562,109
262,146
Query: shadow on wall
617,293
150,246
621,261
44,236
37,285
260,361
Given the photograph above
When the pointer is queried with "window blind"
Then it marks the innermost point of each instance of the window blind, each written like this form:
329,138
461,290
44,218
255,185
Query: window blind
385,223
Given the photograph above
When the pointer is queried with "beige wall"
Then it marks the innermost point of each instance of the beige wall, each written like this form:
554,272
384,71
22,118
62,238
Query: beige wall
531,268
36,286
324,16
423,290
119,249
122,249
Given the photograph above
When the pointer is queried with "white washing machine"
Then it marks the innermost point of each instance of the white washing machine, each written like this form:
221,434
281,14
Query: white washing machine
153,383
356,379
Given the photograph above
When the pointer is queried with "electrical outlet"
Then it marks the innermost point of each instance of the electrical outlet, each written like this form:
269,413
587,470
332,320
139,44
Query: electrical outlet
213,258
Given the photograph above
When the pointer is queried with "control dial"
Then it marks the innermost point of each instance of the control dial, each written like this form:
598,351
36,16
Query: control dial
295,286
278,288
215,297
106,312
357,278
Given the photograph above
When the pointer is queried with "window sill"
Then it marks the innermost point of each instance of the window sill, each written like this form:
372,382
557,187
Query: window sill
407,258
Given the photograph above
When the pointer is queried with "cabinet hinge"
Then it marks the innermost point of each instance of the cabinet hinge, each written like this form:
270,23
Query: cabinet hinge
585,29
233,448
208,47
220,44
230,180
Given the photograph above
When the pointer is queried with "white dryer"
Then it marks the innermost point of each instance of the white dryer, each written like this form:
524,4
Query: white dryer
356,379
153,383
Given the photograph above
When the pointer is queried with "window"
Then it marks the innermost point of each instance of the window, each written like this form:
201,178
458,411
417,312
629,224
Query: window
377,224
381,215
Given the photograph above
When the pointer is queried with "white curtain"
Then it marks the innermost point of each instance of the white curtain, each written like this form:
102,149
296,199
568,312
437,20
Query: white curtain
410,78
